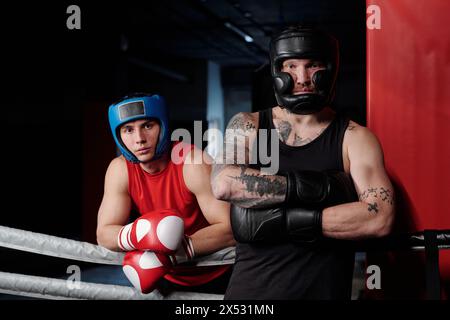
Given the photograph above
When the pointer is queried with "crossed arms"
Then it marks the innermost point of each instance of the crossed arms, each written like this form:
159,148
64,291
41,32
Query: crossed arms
371,216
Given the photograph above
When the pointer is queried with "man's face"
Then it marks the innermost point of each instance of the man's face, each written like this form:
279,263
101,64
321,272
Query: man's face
301,71
141,138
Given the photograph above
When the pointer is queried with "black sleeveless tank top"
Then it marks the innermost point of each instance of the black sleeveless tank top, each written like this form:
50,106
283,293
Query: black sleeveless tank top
288,270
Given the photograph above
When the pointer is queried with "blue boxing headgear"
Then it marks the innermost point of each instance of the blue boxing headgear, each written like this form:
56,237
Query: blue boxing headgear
136,108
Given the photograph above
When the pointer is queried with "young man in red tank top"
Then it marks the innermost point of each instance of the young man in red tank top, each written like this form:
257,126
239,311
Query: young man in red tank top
180,217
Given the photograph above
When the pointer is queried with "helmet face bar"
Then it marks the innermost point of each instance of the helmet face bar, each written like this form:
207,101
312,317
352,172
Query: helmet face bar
304,43
136,108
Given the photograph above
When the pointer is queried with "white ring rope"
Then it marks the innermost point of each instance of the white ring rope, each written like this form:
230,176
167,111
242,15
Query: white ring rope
58,289
49,288
83,251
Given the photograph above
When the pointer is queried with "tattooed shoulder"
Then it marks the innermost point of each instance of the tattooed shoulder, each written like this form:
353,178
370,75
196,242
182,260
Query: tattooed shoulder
243,121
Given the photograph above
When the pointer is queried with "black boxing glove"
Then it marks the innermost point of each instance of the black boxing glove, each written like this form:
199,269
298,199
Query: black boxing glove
275,224
319,188
304,225
254,225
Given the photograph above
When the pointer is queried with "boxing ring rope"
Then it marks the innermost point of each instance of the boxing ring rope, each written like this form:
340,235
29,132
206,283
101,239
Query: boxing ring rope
83,251
58,289
396,242
49,288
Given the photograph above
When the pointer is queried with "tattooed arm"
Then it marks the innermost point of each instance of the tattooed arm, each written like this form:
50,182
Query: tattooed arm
232,180
373,215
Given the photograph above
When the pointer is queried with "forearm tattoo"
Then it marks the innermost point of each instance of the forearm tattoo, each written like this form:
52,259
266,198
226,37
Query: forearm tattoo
373,196
267,190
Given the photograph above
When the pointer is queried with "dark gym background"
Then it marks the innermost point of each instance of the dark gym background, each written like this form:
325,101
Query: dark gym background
58,83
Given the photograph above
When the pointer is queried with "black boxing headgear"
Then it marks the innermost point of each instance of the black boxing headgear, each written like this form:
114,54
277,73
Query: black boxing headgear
304,43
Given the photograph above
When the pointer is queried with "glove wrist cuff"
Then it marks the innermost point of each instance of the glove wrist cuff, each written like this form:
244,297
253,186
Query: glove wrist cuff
123,238
184,253
189,247
304,225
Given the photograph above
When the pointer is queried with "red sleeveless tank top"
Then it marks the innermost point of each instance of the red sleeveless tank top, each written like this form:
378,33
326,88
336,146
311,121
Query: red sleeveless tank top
167,190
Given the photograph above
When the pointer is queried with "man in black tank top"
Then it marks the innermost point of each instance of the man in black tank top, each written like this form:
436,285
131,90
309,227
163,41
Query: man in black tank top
302,181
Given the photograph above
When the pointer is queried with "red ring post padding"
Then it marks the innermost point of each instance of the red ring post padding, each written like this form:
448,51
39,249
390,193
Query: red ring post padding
408,108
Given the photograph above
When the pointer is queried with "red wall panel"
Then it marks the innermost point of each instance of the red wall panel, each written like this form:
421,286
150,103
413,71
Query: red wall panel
408,108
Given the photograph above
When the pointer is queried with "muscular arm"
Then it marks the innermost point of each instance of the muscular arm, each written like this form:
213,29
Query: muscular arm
232,180
115,207
373,215
218,234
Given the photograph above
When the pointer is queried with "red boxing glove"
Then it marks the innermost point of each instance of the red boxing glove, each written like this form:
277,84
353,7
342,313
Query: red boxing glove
144,268
160,231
